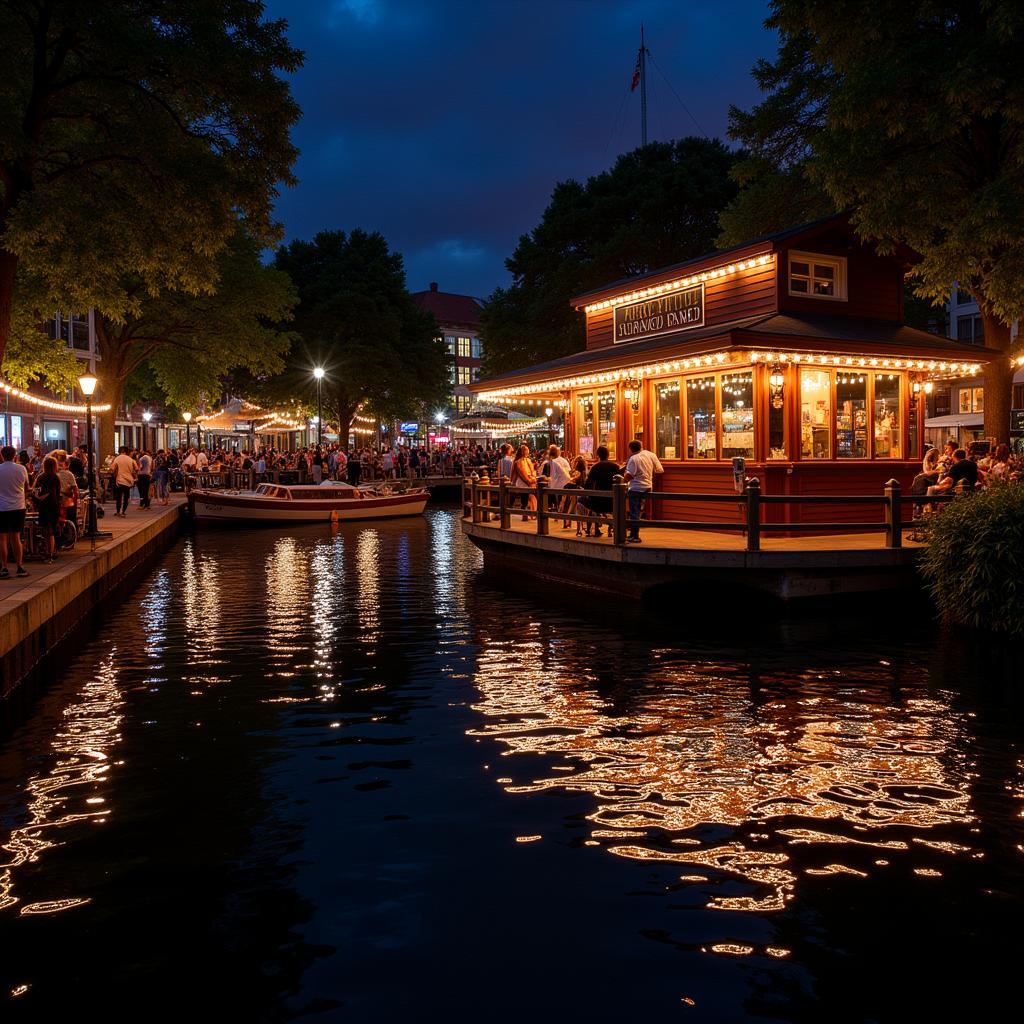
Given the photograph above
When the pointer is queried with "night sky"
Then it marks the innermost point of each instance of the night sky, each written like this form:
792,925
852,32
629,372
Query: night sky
446,124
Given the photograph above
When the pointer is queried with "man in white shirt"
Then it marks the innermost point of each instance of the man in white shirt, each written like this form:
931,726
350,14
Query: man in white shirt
640,469
14,493
559,469
202,460
125,470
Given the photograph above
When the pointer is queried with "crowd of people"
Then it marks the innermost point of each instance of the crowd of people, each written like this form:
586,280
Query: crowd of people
953,469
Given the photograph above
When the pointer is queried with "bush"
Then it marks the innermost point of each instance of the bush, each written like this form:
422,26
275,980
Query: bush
974,563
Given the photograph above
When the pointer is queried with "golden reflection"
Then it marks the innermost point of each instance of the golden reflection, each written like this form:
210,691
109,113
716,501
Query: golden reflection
368,587
689,750
327,571
65,794
287,576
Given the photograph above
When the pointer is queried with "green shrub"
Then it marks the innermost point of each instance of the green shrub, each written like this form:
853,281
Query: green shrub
974,563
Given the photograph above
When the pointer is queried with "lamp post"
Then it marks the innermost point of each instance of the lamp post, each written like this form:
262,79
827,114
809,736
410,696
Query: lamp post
549,412
87,383
187,417
318,373
147,416
439,418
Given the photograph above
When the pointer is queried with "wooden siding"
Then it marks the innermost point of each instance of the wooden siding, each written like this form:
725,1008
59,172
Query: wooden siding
874,284
745,294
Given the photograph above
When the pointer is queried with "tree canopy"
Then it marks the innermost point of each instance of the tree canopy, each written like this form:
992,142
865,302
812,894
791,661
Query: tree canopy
910,116
357,320
657,205
132,136
181,344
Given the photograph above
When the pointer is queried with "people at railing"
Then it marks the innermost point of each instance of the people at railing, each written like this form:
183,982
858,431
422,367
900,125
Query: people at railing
600,477
524,474
570,504
640,469
962,475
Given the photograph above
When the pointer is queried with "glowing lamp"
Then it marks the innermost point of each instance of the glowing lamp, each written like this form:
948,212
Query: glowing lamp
87,384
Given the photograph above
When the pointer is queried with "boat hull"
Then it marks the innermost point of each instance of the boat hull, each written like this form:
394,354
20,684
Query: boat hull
214,505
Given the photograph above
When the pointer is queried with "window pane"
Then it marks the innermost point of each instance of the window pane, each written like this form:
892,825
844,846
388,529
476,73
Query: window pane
585,424
824,287
978,399
606,420
701,442
666,419
738,415
851,416
815,414
475,347
824,270
800,268
798,284
887,416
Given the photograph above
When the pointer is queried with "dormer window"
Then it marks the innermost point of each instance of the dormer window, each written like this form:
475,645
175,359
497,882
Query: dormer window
814,276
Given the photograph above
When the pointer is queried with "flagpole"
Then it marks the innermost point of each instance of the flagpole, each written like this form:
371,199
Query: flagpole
643,86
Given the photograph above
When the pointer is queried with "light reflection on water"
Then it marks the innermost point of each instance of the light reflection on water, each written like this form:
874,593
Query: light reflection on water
335,717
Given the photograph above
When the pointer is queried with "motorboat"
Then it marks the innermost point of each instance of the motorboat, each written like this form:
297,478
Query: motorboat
330,501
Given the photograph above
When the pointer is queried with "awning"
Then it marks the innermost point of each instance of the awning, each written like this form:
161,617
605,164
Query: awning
966,419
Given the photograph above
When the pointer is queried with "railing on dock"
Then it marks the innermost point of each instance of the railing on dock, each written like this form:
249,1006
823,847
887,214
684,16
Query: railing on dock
487,502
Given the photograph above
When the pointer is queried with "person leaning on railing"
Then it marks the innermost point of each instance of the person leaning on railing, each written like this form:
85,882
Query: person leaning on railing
600,478
640,469
524,475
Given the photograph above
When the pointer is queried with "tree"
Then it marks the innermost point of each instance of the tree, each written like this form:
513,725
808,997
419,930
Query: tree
910,116
32,355
356,319
188,342
657,205
132,134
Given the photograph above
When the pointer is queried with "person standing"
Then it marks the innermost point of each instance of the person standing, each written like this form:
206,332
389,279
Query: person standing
145,479
161,475
640,469
14,494
506,461
47,498
317,467
68,487
124,470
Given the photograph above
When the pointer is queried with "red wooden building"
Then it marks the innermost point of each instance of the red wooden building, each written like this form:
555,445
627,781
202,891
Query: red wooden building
789,352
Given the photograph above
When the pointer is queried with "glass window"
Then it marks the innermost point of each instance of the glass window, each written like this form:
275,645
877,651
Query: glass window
606,421
738,415
585,424
666,419
55,434
464,348
476,350
16,433
977,399
818,276
851,416
887,416
968,329
701,425
777,416
449,342
815,414
463,375
3,430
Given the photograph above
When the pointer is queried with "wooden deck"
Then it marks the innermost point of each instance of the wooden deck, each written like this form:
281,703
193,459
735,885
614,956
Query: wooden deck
709,540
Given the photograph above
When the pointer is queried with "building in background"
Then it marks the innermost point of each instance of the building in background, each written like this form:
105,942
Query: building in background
458,317
956,408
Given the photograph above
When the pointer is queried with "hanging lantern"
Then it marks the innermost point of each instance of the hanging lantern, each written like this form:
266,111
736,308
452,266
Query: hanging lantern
776,385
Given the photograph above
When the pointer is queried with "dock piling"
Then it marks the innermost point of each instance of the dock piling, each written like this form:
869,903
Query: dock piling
753,493
893,514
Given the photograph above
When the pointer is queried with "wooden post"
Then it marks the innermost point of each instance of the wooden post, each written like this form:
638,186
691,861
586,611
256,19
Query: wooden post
619,498
504,522
893,515
485,497
543,526
474,508
753,492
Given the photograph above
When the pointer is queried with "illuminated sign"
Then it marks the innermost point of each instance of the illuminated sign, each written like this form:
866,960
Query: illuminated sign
661,314
408,428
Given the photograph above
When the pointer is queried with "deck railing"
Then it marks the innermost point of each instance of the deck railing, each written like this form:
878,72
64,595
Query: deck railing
486,502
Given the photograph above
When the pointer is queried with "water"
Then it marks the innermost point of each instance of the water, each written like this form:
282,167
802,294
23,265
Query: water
345,778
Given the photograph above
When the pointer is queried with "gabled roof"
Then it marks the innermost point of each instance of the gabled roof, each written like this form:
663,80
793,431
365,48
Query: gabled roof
448,308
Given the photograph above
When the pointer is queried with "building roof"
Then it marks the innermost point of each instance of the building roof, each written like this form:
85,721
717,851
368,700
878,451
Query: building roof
448,308
775,330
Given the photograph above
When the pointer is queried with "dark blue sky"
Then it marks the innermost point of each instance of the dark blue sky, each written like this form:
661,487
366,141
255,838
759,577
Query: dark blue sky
446,124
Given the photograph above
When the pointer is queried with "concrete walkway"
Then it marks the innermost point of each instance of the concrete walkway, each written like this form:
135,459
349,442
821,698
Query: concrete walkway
37,610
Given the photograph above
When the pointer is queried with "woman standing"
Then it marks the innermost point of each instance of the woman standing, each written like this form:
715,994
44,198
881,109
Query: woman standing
524,475
161,475
47,496
577,479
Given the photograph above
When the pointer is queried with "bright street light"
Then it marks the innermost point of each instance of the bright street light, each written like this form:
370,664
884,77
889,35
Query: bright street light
87,383
318,372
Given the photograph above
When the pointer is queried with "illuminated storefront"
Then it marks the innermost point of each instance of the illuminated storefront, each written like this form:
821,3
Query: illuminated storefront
788,352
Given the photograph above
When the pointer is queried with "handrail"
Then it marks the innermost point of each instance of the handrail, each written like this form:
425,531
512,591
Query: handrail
543,501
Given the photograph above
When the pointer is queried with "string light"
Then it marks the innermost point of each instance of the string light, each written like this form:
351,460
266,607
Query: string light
724,270
45,403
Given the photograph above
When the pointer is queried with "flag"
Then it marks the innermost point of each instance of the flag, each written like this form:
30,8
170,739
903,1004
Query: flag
636,75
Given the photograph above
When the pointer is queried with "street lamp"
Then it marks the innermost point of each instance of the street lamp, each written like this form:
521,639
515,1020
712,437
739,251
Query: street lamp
318,373
439,418
187,417
87,383
549,412
147,416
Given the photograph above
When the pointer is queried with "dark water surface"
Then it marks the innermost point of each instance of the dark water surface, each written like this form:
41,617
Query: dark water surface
345,778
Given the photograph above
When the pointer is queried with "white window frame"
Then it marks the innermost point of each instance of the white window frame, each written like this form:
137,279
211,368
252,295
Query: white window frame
838,264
